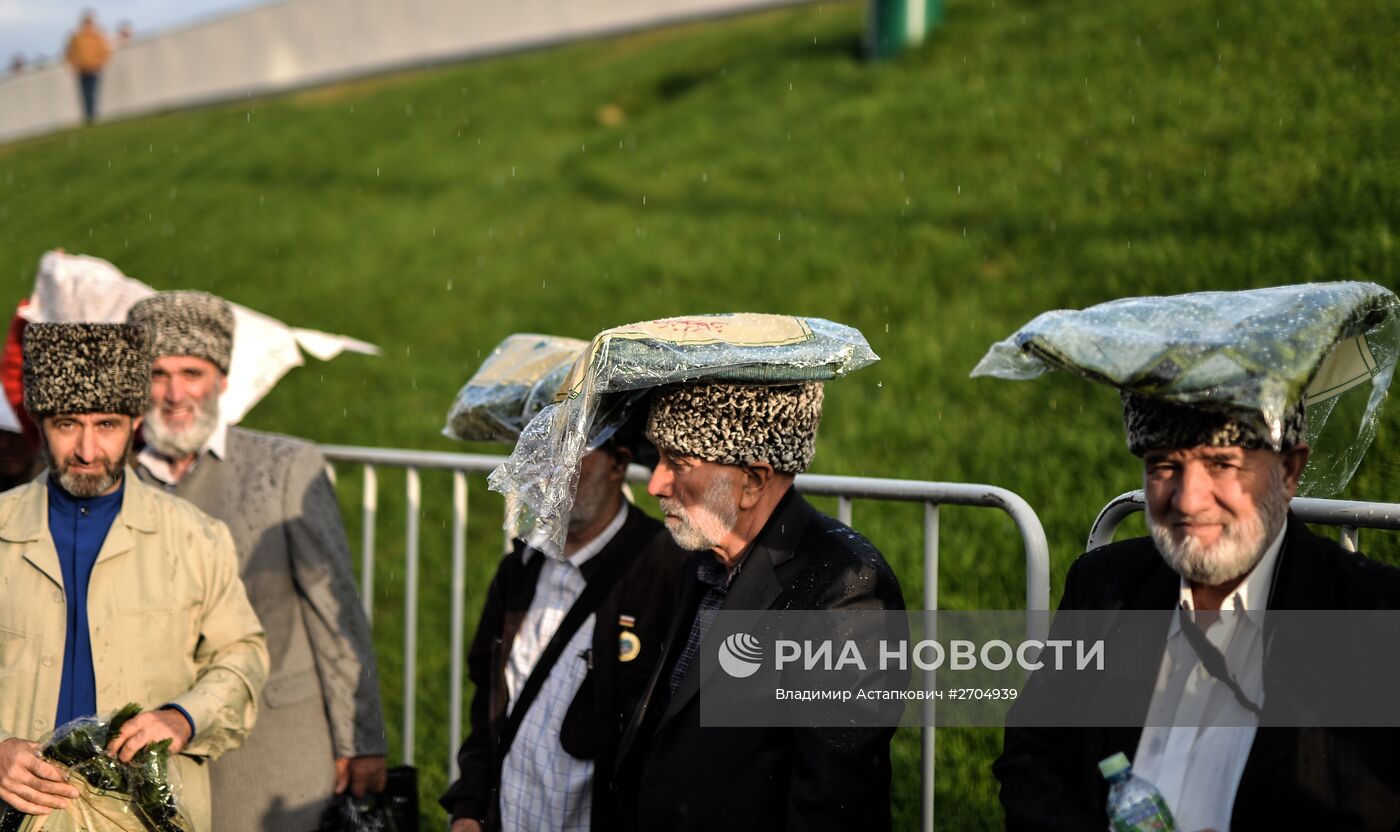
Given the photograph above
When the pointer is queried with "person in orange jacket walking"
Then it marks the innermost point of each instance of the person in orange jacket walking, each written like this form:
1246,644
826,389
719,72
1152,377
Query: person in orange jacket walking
87,52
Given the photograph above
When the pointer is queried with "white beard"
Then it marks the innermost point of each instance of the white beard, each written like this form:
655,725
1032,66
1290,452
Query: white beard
707,524
1239,548
177,444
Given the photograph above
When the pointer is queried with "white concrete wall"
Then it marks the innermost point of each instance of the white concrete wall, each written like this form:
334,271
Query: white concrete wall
298,43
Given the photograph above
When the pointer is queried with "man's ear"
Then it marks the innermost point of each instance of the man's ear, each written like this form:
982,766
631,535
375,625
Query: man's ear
223,382
755,477
621,459
136,423
1295,459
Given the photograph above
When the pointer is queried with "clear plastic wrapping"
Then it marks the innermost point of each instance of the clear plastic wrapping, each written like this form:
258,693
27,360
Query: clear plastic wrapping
140,796
518,380
1258,350
611,380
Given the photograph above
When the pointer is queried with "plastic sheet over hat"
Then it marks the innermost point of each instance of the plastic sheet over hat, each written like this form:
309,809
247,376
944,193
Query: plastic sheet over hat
518,380
71,288
1258,351
611,380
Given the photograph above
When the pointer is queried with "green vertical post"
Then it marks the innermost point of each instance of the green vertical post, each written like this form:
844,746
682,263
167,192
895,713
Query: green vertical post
896,25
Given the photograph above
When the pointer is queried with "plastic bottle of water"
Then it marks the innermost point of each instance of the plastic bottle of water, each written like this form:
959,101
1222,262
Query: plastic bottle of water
1134,805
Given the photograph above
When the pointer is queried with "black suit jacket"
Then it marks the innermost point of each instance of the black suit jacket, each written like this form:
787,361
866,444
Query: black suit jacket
593,725
681,776
1294,778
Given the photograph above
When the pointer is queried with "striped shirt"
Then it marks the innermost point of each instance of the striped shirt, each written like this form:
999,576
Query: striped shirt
717,580
542,786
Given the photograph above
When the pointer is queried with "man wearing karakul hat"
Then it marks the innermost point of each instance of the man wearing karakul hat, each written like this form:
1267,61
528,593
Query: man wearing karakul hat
322,729
1222,538
729,454
114,592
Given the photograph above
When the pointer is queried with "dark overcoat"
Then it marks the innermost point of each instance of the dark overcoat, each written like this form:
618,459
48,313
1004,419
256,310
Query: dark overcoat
681,776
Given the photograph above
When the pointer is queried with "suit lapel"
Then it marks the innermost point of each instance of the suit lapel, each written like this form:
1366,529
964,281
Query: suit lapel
1297,585
690,597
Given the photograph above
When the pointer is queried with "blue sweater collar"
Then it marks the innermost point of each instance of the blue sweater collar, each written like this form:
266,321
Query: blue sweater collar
61,499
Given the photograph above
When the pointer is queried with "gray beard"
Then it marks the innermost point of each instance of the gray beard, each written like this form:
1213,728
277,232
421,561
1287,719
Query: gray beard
717,514
590,500
177,444
86,486
1240,548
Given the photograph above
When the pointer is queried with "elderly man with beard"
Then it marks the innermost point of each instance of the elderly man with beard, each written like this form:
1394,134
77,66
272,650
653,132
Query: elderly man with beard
113,591
729,456
560,658
1222,538
322,730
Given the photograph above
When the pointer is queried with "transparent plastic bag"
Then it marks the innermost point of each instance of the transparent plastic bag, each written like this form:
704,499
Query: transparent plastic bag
140,796
610,382
1259,350
518,380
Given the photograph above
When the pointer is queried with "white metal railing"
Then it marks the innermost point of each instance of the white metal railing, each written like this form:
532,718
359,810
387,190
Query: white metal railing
845,489
1347,515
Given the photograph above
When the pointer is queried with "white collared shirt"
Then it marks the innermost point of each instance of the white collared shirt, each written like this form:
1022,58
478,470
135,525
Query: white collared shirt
1198,770
542,786
158,464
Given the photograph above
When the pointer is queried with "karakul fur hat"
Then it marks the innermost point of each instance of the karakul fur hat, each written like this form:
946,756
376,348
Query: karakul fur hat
86,368
188,323
1155,424
735,424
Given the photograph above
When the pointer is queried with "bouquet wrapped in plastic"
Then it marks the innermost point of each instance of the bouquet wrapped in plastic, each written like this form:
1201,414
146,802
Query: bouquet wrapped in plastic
518,380
619,369
114,796
1333,345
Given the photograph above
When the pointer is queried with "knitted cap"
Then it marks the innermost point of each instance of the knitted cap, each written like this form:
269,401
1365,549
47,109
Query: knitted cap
86,368
734,424
188,323
1154,424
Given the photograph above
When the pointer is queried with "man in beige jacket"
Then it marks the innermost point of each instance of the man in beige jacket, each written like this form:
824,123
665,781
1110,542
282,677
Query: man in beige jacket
113,591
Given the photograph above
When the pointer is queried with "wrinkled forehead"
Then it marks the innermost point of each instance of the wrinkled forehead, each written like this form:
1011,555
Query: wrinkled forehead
180,363
89,418
1238,454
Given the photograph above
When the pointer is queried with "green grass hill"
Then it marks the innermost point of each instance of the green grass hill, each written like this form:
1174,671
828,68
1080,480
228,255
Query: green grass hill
1033,155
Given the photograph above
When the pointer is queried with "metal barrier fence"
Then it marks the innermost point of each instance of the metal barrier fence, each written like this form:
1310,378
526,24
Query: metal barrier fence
1347,515
845,489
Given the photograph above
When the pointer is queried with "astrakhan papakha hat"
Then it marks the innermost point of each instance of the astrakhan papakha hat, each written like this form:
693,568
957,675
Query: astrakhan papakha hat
188,323
86,368
735,424
1155,424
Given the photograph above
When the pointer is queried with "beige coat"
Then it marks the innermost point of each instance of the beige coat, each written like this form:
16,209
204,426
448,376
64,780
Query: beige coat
167,614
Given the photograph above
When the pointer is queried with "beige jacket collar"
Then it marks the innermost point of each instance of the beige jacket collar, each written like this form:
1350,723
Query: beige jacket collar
28,522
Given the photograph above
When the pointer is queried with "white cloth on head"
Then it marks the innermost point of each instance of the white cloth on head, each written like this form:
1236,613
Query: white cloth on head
74,287
1198,769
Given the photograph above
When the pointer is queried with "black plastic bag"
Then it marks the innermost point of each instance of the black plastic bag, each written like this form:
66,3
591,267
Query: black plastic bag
396,810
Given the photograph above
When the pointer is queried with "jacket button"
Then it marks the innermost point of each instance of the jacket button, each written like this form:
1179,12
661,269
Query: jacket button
57,597
40,725
47,660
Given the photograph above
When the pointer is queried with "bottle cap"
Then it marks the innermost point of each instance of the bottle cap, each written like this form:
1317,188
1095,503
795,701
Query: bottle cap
1109,766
